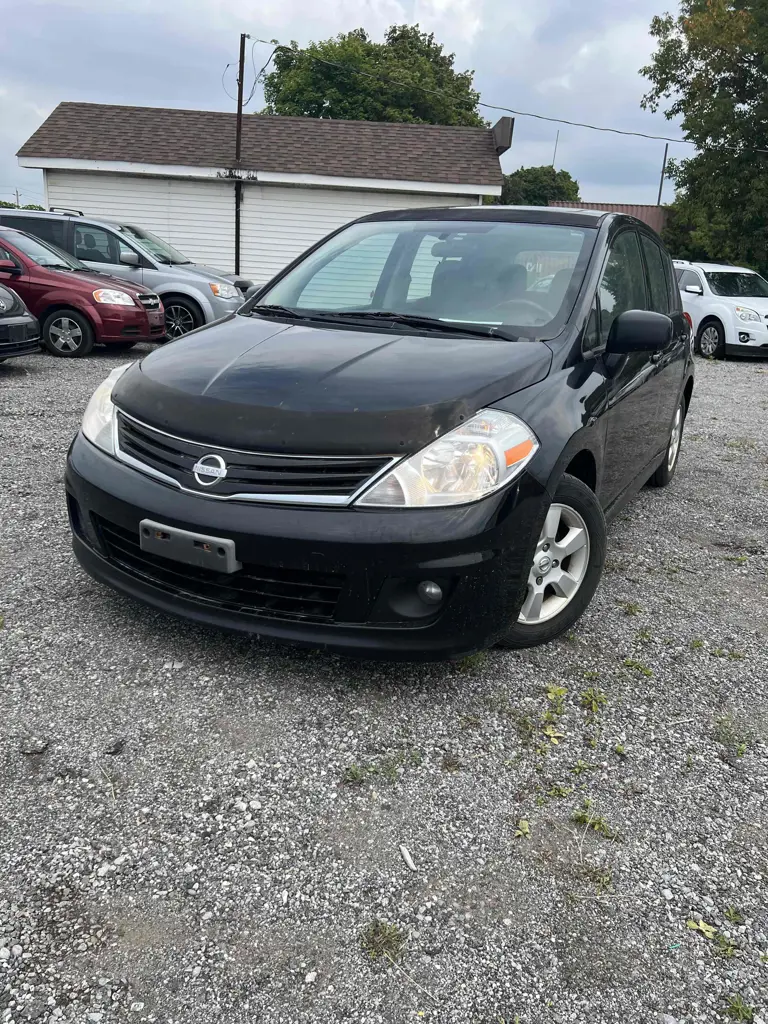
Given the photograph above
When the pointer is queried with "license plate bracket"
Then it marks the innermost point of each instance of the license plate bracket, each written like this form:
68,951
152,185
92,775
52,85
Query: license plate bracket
215,553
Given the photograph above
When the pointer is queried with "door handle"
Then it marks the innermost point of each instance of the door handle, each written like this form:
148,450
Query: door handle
656,356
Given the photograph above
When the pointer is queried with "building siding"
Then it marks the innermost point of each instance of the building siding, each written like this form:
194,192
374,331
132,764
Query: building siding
654,216
277,222
195,216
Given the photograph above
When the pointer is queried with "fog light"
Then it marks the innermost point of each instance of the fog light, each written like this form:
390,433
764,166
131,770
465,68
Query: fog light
429,592
743,337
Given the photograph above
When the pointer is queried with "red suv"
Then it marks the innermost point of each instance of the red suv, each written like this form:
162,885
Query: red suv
77,307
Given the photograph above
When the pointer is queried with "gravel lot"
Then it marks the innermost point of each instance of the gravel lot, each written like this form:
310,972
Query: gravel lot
199,828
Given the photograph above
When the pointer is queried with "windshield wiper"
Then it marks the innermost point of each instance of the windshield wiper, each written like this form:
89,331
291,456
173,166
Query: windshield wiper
414,320
267,310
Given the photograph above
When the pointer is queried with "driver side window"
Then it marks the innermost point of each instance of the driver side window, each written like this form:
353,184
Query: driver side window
622,285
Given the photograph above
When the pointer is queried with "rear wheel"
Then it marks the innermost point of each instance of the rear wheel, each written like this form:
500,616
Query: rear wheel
566,568
181,316
666,470
67,333
711,340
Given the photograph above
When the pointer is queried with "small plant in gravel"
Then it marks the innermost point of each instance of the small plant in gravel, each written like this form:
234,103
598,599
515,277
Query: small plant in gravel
741,444
600,875
734,916
556,697
696,645
470,664
552,733
380,939
630,607
470,721
451,762
580,767
587,817
727,732
593,699
591,674
737,559
524,727
735,655
726,947
638,666
355,774
737,1009
620,750
523,830
644,635
558,790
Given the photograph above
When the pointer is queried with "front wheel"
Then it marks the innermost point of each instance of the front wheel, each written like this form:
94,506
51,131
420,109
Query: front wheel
67,333
711,340
181,317
566,569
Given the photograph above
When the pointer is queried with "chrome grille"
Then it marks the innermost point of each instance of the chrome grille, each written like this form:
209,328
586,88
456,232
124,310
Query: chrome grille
249,475
149,300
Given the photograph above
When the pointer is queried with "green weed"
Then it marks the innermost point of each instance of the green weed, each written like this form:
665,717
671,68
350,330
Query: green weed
587,817
737,1009
638,666
380,939
593,699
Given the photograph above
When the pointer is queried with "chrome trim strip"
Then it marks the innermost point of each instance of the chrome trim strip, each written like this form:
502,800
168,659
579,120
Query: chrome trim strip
284,499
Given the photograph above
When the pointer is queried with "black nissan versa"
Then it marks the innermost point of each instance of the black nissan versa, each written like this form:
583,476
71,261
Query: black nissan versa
406,445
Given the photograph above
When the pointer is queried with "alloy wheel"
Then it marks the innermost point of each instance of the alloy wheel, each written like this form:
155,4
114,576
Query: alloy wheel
559,565
66,334
709,341
178,321
674,440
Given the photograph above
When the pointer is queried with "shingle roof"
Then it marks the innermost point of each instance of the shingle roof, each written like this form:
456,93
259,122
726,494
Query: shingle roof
301,145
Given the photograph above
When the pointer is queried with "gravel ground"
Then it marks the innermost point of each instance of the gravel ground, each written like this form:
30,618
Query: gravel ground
200,828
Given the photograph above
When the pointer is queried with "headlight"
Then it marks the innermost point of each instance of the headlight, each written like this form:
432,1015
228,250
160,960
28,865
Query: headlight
464,465
113,297
99,413
223,291
743,313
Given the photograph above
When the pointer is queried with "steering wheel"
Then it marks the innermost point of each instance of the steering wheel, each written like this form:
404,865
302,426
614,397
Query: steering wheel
541,310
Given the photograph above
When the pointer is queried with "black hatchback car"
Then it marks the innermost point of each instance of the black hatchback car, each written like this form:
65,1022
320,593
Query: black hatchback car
407,445
19,330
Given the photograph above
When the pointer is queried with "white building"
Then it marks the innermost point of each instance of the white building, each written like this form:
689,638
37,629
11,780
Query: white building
173,172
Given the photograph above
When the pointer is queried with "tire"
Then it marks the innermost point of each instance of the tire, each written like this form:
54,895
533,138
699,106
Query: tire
710,341
67,333
666,470
182,315
573,507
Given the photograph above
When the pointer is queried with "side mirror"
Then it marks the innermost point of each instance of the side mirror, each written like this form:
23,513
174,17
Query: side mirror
9,267
130,259
694,289
252,290
639,330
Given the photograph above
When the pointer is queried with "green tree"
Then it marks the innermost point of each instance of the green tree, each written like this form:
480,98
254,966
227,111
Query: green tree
710,69
538,186
401,69
13,206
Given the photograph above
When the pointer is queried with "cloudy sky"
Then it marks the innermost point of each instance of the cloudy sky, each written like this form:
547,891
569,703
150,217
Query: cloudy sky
565,58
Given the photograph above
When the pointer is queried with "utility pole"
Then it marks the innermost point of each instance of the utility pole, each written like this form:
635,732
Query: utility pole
557,139
238,141
663,171
18,203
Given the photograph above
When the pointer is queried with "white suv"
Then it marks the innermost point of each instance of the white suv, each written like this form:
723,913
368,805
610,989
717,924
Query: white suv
728,307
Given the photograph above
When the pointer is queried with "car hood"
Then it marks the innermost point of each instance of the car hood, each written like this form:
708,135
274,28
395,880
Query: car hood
759,305
95,279
200,270
262,385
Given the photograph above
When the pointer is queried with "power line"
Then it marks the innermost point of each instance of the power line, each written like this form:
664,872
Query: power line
226,90
480,103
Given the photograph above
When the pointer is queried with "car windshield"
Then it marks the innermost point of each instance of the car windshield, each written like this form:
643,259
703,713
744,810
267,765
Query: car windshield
42,253
160,249
738,285
475,272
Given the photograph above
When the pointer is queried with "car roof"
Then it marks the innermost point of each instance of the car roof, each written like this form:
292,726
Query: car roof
564,216
721,268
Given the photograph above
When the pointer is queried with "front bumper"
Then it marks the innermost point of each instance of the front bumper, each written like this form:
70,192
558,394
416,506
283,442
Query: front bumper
223,307
19,336
749,338
366,564
127,323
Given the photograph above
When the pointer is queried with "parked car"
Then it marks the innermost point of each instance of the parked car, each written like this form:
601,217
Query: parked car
395,449
19,330
728,307
192,294
77,308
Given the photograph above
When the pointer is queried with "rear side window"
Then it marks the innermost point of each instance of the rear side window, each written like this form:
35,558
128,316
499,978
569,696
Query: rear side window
46,228
657,279
622,285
